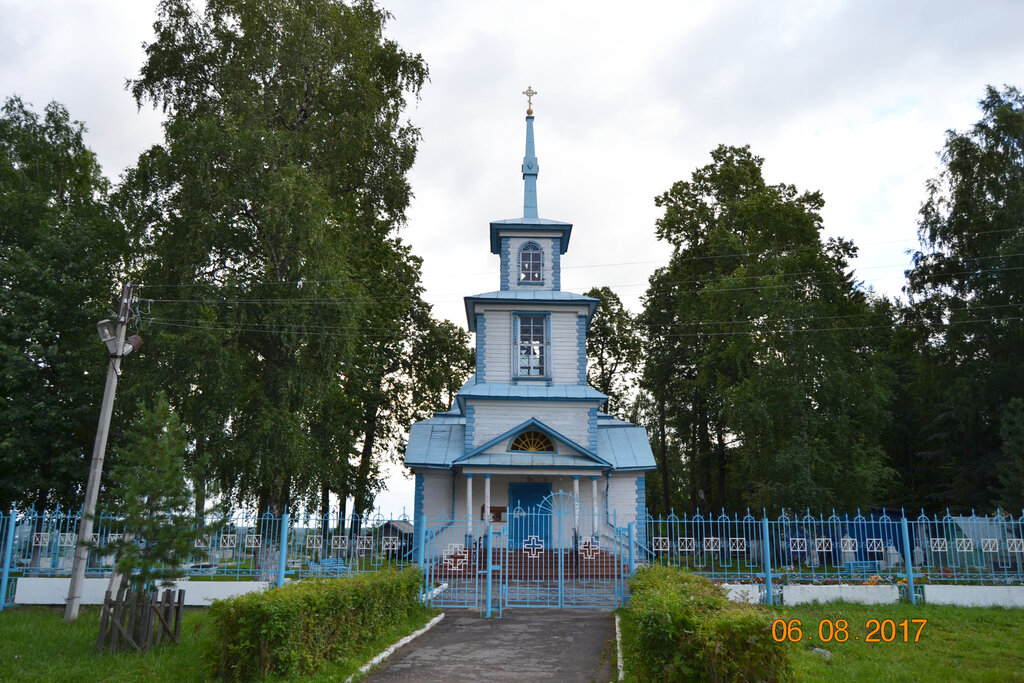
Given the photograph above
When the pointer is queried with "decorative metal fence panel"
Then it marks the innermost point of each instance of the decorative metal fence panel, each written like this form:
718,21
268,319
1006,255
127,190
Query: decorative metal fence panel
556,554
543,556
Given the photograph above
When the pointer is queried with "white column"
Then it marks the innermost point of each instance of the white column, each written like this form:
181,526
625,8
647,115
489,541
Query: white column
576,504
487,498
593,502
469,496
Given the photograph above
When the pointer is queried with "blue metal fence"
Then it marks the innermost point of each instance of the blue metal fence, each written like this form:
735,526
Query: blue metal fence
872,548
560,555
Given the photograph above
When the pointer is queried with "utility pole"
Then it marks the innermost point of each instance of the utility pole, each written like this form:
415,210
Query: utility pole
111,334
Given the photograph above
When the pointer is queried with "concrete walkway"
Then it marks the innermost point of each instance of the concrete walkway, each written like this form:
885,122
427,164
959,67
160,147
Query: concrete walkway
525,645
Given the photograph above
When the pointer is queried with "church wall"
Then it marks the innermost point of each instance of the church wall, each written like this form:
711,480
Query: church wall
497,343
437,493
498,346
622,497
564,348
492,418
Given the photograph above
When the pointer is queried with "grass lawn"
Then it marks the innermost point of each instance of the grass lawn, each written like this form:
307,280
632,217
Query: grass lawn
36,645
956,644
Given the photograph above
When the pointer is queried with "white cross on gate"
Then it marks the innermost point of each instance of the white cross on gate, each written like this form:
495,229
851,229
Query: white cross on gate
389,543
455,557
533,545
590,547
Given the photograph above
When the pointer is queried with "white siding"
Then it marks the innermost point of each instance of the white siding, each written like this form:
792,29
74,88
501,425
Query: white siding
622,497
498,342
494,418
437,493
564,348
498,345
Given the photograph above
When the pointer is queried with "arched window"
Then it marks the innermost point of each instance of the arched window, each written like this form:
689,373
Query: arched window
531,263
533,441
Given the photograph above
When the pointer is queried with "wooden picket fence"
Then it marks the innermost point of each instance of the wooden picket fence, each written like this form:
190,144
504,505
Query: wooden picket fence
138,620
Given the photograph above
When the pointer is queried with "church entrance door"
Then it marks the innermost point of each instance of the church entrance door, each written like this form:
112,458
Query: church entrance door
526,518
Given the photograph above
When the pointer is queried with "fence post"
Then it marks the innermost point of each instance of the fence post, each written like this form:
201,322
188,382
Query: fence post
282,559
632,549
490,567
12,522
766,552
907,557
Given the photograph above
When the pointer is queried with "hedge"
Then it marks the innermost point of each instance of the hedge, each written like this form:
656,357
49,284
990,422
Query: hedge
293,630
681,627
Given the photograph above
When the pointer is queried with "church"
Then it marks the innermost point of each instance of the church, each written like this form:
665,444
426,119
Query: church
526,426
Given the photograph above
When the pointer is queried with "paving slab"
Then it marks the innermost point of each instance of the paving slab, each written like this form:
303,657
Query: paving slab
524,645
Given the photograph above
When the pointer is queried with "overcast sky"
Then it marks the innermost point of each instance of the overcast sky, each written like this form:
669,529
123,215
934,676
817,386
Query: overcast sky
850,98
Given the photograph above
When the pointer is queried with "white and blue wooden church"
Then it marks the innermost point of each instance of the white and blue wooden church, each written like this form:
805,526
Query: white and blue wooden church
527,425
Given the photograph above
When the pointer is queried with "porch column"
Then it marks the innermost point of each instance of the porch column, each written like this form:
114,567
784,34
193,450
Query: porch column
576,504
593,502
469,496
487,499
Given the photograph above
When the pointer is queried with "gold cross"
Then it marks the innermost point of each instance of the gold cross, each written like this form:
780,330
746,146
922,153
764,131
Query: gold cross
529,92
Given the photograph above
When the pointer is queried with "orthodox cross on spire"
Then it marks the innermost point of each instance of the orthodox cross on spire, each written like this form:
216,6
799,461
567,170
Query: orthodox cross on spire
529,92
530,165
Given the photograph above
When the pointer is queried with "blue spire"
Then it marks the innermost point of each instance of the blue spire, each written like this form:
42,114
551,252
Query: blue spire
530,168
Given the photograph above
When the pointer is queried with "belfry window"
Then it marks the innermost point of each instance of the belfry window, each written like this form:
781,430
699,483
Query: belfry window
531,263
532,441
531,345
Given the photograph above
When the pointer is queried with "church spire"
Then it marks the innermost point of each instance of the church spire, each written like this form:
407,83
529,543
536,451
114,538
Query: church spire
530,165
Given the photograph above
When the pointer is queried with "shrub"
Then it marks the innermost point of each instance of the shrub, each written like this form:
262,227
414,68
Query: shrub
293,630
681,627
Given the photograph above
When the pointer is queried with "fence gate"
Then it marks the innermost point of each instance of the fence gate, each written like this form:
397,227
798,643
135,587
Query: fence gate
552,554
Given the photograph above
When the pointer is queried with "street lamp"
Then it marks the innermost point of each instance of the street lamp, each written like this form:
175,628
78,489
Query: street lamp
112,334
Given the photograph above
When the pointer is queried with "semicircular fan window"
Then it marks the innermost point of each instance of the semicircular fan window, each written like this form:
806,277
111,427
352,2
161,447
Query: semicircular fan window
532,440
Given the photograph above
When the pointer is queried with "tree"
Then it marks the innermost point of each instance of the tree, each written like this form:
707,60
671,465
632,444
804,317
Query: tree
152,500
60,250
267,218
614,352
965,292
774,403
1011,469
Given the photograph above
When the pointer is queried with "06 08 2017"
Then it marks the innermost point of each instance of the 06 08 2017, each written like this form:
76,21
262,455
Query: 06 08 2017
838,630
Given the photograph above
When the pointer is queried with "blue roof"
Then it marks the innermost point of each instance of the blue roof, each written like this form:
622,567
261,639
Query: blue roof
530,391
529,296
436,443
529,225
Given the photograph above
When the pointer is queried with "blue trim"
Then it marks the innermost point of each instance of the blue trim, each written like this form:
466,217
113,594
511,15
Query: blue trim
556,263
559,399
506,256
519,263
534,423
581,350
592,428
470,426
527,225
641,500
481,348
418,522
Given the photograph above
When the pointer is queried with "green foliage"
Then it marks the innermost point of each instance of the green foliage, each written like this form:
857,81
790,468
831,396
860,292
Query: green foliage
294,630
59,250
750,368
614,351
153,500
1011,469
681,627
267,221
965,291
